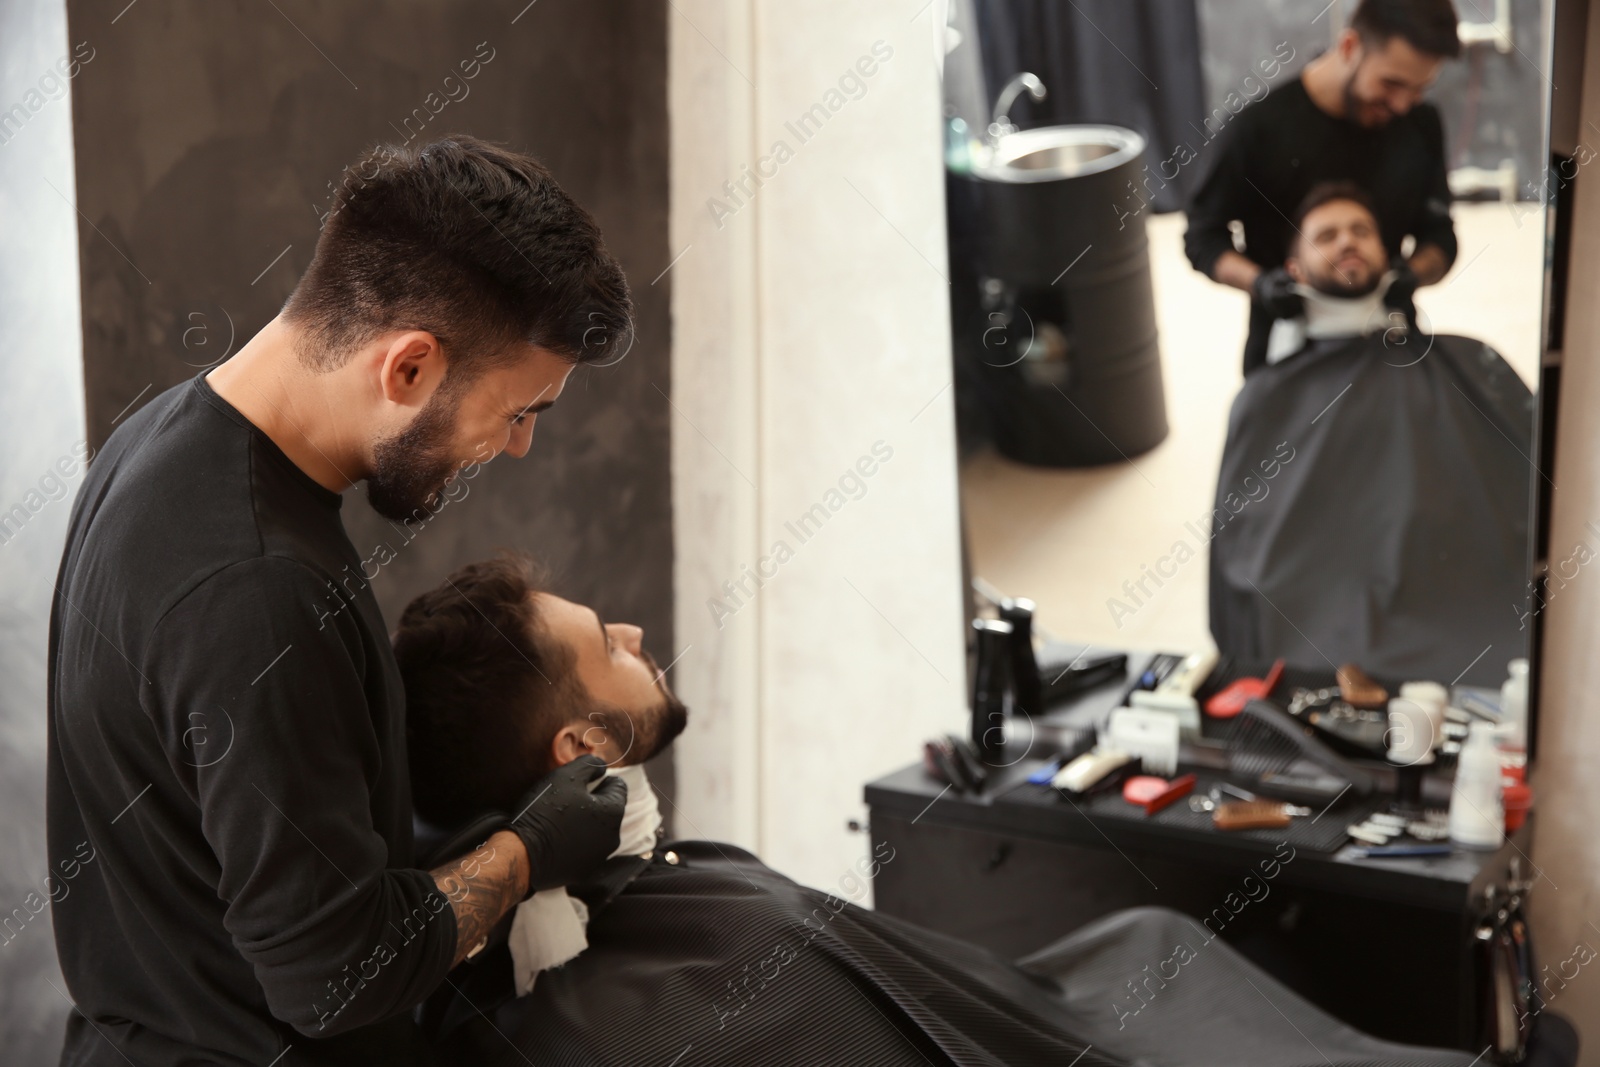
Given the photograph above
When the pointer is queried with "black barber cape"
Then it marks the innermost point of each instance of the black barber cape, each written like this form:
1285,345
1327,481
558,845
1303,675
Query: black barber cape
716,959
1267,158
228,803
1372,506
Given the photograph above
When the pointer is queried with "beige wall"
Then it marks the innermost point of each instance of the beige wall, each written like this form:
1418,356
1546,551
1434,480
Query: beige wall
811,325
1567,847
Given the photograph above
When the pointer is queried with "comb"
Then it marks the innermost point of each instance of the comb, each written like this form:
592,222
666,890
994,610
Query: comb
1280,755
1250,815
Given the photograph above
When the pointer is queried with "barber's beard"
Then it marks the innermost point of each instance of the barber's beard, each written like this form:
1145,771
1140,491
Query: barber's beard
1353,104
1355,107
410,469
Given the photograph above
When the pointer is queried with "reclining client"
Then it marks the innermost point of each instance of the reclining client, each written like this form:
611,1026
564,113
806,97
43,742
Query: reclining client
696,953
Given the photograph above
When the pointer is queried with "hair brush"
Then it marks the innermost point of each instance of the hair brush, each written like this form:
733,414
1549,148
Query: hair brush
1280,755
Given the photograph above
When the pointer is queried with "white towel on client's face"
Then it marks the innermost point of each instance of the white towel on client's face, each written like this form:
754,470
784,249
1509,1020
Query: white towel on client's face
551,927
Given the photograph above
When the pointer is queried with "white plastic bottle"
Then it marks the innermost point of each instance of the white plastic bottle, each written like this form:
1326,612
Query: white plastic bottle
1477,816
1512,733
1432,698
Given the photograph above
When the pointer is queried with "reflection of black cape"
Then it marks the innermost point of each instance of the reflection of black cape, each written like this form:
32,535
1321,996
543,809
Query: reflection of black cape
1397,534
720,960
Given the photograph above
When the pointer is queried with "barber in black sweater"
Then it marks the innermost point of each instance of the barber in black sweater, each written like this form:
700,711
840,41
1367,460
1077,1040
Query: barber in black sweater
228,800
1354,114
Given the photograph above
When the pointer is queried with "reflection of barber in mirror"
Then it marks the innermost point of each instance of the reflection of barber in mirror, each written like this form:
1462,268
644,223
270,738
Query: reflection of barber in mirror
1354,114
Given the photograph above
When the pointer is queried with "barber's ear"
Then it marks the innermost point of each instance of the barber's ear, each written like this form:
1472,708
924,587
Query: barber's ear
1349,45
411,367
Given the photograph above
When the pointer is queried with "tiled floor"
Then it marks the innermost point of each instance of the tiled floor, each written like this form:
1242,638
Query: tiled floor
1069,539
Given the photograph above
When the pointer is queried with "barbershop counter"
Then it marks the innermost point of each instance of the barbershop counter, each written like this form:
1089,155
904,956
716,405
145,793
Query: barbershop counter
1388,945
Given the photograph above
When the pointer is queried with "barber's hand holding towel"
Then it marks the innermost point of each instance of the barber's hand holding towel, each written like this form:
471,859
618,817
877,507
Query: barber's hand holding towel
1402,291
1275,293
568,830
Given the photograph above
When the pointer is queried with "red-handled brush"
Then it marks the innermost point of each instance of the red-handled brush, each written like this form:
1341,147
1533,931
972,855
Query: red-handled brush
1230,700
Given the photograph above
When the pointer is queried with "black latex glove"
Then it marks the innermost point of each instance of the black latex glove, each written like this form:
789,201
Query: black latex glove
1399,296
568,830
1273,292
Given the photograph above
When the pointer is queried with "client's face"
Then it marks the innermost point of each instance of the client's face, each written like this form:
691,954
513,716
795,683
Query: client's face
1338,251
619,674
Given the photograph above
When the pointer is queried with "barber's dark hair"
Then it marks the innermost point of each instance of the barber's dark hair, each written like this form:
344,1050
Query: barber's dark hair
1326,193
1429,26
471,241
487,688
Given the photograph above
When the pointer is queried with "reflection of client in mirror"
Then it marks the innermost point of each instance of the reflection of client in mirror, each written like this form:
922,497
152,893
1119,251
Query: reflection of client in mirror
1397,537
1338,250
694,944
1342,272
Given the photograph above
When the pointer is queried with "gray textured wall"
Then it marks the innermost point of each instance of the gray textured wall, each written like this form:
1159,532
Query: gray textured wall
206,135
41,420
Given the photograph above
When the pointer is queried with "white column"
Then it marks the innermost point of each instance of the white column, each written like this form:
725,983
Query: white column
715,437
814,456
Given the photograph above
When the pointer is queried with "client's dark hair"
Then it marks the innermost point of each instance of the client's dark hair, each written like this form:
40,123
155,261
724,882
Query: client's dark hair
470,241
487,688
1427,25
1327,193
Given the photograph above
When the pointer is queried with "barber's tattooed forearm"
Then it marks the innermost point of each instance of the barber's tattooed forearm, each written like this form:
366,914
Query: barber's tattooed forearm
481,888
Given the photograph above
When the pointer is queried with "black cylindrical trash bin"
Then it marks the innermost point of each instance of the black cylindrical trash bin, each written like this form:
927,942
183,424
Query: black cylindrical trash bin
1057,358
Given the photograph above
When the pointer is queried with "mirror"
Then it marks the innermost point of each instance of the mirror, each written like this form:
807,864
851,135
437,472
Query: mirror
1318,465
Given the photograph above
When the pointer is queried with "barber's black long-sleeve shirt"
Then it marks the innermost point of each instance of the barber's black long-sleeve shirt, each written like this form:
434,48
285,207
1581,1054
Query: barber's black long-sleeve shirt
1271,154
228,803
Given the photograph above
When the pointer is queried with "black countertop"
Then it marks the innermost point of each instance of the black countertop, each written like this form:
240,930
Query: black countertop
1014,809
1009,806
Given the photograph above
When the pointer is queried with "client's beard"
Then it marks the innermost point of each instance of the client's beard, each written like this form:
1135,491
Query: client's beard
659,726
641,735
1332,285
411,468
667,723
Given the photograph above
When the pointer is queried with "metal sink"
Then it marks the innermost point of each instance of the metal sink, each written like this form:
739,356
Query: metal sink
1052,153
